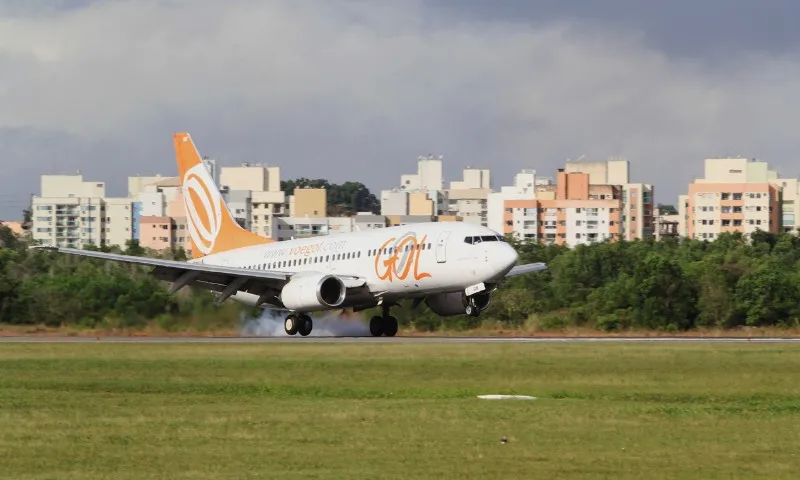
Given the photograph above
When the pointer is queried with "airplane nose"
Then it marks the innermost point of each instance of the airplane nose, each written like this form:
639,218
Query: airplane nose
506,260
510,256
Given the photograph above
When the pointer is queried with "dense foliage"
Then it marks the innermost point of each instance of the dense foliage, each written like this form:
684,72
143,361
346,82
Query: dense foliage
668,285
348,198
40,287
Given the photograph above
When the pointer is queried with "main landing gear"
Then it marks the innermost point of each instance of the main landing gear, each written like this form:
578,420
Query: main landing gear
301,324
383,325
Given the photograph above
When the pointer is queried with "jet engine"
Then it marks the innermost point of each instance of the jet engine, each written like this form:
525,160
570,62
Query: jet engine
455,303
309,293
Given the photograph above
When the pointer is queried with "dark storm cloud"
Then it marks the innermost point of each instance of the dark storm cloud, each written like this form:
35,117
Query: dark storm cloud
356,89
705,28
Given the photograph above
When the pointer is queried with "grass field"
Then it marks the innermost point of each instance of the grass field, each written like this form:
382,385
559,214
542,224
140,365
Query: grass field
398,411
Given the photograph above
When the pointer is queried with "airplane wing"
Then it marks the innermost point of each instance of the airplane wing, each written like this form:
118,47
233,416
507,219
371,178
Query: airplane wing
526,268
224,280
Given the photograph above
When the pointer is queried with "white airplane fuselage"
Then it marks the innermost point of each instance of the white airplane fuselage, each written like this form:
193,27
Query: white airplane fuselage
407,261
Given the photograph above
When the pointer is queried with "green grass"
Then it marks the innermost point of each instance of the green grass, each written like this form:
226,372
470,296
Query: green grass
398,411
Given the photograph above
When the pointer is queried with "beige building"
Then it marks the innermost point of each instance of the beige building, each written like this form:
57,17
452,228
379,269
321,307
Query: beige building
420,204
15,227
469,204
267,206
255,193
790,199
734,195
308,202
255,177
468,198
420,193
70,212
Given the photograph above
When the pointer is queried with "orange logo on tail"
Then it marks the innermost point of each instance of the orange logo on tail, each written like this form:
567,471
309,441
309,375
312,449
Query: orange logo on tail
400,257
204,206
211,226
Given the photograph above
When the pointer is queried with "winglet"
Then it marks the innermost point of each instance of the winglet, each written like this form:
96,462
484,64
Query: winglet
212,228
526,268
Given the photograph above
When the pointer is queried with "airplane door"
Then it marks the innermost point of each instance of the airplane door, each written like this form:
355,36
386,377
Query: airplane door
441,247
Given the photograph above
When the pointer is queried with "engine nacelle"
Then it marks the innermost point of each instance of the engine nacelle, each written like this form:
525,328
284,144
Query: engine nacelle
455,303
309,293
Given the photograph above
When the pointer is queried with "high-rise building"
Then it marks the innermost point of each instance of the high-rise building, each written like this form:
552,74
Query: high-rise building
70,212
637,198
580,213
734,195
589,202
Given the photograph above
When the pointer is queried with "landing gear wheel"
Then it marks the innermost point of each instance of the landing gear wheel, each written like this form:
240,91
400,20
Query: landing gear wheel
376,326
305,325
470,310
390,326
290,324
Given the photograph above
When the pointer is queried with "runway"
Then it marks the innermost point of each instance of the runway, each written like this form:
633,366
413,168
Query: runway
321,339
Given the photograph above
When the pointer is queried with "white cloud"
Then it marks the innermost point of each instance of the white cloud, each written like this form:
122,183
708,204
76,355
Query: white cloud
351,82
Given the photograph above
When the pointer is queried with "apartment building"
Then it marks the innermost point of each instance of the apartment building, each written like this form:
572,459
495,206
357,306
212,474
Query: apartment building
666,225
255,195
71,212
420,193
637,198
734,195
790,199
467,198
157,232
571,211
522,189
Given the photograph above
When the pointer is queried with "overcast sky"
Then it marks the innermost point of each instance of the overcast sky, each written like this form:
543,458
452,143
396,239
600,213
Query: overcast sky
357,89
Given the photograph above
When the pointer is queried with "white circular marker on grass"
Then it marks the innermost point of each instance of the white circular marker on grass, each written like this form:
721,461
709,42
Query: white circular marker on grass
506,397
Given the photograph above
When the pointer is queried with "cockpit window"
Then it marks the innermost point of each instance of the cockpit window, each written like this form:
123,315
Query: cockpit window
483,238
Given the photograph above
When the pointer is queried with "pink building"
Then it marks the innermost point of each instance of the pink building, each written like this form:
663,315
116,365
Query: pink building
157,233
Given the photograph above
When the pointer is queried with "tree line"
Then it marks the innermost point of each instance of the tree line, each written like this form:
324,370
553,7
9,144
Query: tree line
346,199
672,285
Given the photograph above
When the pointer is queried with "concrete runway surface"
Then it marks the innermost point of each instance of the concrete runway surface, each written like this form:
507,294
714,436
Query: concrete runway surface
312,339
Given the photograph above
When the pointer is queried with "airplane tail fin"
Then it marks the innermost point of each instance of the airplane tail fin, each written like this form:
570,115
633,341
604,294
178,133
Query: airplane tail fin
212,228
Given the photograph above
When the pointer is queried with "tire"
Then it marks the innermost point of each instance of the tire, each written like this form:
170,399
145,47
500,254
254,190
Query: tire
376,326
305,325
390,326
290,324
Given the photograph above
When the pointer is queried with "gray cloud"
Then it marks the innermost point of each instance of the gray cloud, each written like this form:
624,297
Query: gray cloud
356,90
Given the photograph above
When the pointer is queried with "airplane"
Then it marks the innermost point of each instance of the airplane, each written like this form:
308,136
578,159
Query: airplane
452,266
